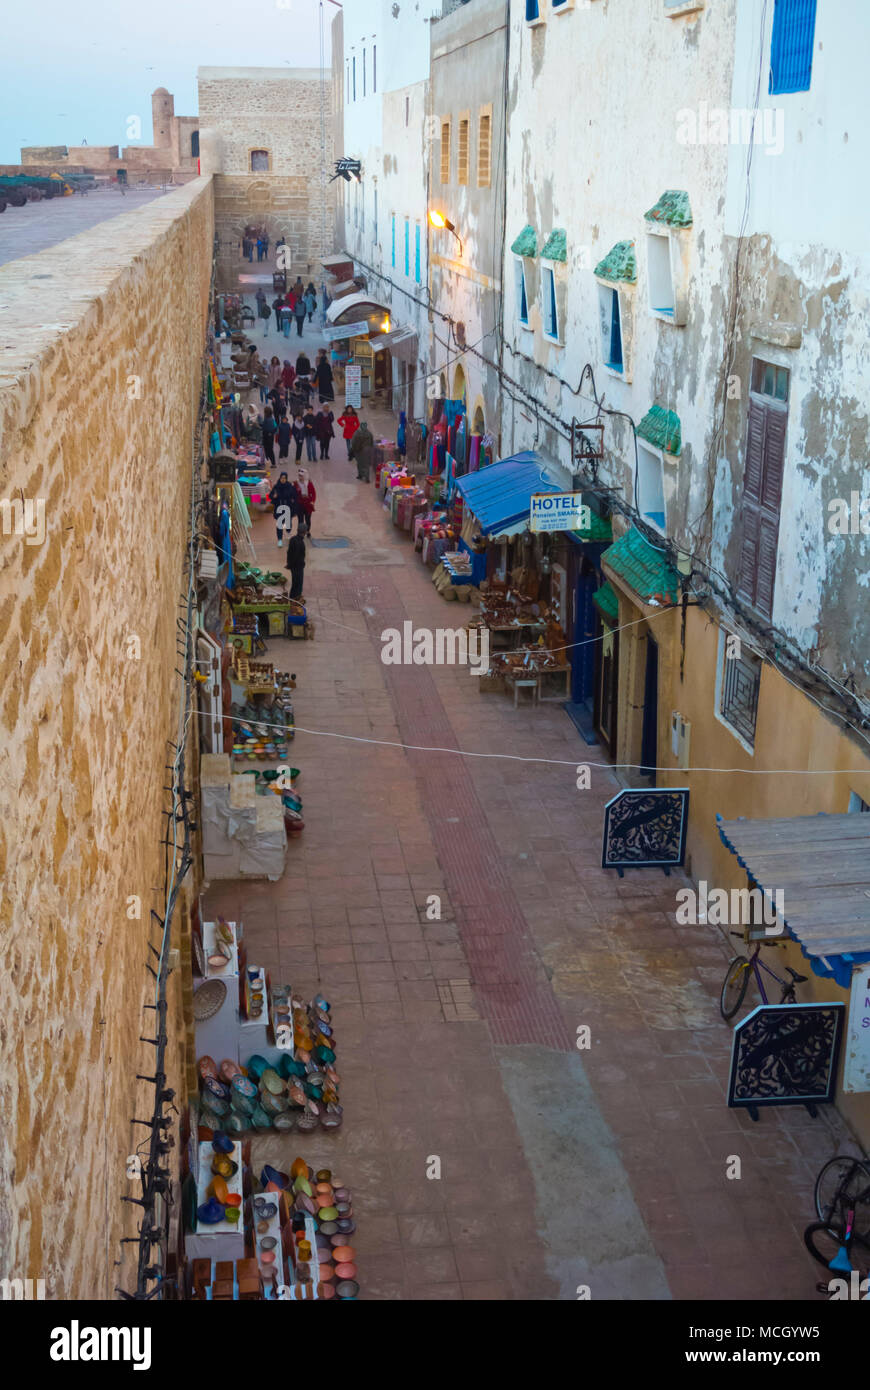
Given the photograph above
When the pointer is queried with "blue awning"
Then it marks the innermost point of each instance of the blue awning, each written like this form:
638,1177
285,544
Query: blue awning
500,496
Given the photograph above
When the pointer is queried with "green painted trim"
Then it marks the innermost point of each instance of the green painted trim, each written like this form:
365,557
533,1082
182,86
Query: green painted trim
662,429
555,248
619,263
672,209
526,244
606,601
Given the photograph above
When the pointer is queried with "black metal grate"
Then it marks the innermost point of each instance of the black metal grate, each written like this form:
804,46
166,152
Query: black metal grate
740,685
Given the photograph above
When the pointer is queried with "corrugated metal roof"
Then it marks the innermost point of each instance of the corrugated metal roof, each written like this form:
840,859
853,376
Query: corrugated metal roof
500,495
821,865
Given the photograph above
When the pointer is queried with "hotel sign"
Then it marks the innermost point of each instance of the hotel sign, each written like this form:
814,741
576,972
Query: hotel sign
559,511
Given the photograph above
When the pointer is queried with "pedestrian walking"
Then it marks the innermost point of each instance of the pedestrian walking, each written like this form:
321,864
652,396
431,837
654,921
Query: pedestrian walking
324,433
303,366
307,498
259,248
284,435
263,310
310,435
310,302
288,375
362,448
269,426
323,377
349,422
285,500
300,311
296,564
298,434
274,373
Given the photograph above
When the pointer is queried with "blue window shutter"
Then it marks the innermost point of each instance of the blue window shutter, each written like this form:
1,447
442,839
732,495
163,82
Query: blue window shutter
615,334
791,46
394,240
531,10
407,248
417,253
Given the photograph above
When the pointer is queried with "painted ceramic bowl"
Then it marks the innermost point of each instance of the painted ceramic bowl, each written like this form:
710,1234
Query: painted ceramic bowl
216,1088
236,1124
262,1228
326,1272
348,1288
323,1188
242,1105
343,1254
214,1108
323,1175
346,1227
328,1214
211,1212
233,1215
326,1291
328,1228
341,1194
222,1143
264,1208
223,1167
243,1086
256,1066
304,1203
284,1123
346,1270
260,1119
207,1066
267,1257
270,1174
303,1185
331,1117
306,1123
274,1105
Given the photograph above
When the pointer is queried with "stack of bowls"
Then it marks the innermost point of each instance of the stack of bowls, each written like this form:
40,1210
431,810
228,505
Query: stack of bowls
322,1197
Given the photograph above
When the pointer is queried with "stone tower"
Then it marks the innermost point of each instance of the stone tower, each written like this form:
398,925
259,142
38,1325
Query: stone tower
162,112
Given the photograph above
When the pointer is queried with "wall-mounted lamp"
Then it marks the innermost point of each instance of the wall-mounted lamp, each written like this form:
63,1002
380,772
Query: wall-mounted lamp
439,220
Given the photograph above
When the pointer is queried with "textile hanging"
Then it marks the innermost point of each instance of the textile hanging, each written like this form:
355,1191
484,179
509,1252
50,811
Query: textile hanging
225,543
474,453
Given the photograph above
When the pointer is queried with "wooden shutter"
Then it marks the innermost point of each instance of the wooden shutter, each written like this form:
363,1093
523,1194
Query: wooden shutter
484,150
462,152
445,151
762,498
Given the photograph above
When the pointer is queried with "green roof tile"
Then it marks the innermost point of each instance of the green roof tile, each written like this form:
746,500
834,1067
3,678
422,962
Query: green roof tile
619,263
605,599
645,569
526,243
661,428
672,209
555,248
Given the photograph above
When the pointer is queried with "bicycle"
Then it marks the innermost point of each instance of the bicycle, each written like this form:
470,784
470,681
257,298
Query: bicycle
840,1238
736,980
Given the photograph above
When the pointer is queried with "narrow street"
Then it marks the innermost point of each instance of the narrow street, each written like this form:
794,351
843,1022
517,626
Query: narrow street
559,1168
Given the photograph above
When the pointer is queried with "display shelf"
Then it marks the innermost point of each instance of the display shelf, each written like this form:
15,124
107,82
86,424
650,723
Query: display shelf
234,1185
209,939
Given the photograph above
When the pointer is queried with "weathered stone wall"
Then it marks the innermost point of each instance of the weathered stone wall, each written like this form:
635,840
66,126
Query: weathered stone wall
83,723
277,110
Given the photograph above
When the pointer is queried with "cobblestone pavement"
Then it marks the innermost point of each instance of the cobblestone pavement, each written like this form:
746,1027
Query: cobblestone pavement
558,1168
24,231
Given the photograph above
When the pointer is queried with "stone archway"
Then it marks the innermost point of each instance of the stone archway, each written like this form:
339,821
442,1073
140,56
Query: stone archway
459,385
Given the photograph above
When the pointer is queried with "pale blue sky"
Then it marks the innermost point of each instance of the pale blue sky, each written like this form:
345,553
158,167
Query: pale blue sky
75,71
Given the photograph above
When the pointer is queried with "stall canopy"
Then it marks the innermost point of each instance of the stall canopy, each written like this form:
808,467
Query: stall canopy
821,865
361,305
500,496
401,342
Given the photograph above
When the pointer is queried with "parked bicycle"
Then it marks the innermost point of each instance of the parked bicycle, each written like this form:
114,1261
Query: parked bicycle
736,980
840,1238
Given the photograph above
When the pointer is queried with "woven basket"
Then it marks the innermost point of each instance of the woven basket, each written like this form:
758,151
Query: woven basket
208,999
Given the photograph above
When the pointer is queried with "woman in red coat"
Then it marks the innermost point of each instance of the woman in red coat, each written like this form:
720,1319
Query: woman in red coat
307,498
349,422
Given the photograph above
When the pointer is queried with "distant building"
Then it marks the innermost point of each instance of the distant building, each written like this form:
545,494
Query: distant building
267,138
173,157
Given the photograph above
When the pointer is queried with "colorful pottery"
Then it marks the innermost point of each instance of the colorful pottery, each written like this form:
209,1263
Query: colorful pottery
221,1143
343,1254
328,1214
233,1215
348,1288
298,1168
211,1212
207,1067
244,1087
346,1270
275,1175
328,1228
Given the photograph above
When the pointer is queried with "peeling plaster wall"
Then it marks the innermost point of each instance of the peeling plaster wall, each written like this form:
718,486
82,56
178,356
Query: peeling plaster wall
468,53
805,264
591,147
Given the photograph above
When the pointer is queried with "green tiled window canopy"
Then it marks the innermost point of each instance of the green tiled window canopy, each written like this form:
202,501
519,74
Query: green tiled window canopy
619,263
661,428
644,568
526,244
555,248
672,209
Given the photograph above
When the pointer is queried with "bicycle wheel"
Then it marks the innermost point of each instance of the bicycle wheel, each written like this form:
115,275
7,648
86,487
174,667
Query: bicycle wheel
843,1183
734,987
825,1243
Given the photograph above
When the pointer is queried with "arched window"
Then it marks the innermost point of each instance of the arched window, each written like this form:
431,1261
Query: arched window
259,161
194,144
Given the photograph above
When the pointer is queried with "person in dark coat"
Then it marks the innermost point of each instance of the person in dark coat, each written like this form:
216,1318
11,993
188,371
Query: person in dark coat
284,435
296,564
310,435
323,431
323,377
263,310
285,500
362,448
269,426
298,435
300,310
303,365
288,374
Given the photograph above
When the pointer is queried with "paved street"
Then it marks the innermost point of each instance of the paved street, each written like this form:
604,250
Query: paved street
24,231
456,1038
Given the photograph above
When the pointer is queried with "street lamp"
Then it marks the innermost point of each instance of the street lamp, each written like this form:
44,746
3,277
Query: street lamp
439,220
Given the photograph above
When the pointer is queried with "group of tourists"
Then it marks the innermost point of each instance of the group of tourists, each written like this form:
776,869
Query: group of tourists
255,238
294,502
298,303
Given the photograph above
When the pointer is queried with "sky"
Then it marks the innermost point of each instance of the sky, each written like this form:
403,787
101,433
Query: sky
74,70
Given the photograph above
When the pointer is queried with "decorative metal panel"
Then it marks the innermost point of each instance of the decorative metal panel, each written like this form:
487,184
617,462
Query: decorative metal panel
646,828
786,1054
